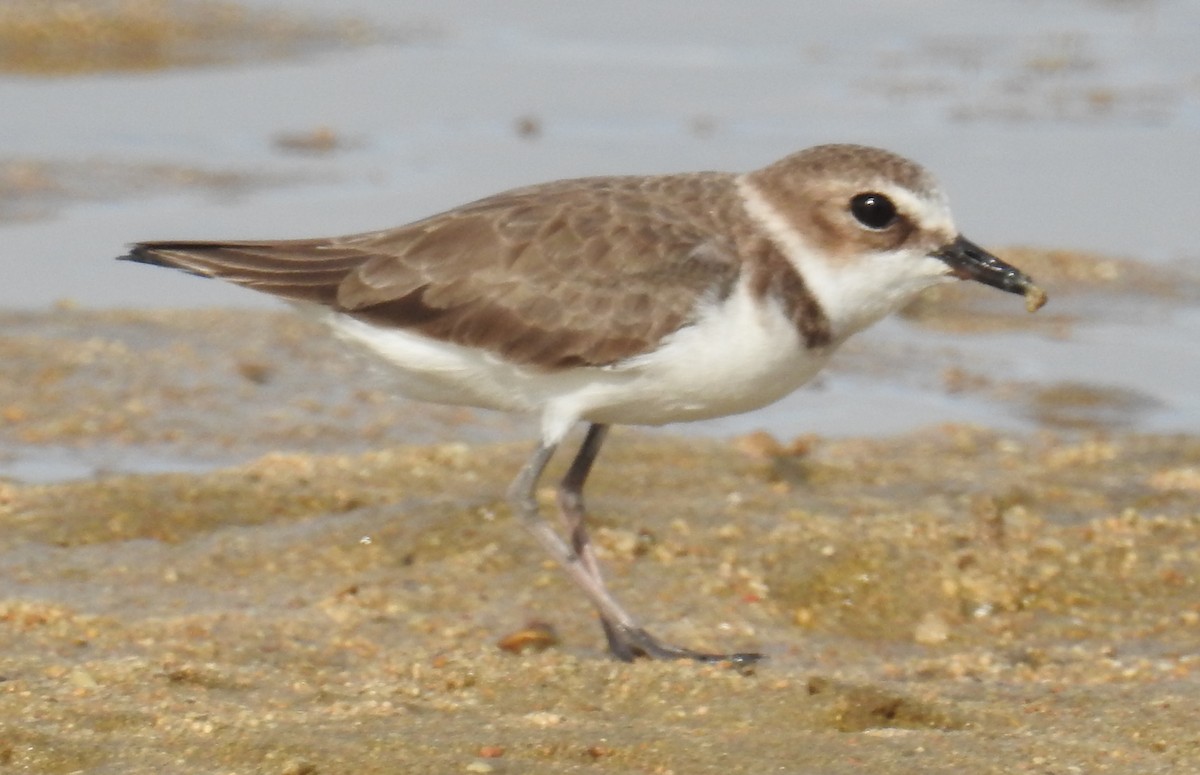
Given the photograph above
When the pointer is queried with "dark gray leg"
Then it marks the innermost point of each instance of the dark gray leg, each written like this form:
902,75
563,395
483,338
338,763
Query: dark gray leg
570,504
570,497
626,639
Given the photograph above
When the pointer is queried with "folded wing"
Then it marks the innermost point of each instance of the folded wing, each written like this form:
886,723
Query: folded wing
562,274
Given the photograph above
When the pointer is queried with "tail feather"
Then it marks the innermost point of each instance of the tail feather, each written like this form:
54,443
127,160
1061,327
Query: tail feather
297,270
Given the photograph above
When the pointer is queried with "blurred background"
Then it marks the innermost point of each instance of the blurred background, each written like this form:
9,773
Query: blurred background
1066,132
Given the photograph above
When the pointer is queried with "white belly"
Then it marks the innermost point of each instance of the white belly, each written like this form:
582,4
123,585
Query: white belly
739,356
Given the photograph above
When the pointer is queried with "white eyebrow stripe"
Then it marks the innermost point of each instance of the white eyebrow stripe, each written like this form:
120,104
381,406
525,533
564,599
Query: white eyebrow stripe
928,214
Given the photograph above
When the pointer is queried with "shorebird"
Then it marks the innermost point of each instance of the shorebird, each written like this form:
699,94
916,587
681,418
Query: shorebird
624,300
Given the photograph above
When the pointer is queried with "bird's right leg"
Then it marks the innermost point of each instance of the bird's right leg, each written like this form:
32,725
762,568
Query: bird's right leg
626,638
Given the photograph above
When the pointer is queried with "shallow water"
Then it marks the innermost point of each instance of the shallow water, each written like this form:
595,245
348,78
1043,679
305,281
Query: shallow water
1070,124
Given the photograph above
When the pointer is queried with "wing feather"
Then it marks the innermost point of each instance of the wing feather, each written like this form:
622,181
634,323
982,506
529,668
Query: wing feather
582,272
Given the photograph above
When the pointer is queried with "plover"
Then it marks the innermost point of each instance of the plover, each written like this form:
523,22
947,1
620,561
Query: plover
624,300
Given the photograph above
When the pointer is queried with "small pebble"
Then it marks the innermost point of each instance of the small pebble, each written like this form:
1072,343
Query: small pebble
931,630
534,636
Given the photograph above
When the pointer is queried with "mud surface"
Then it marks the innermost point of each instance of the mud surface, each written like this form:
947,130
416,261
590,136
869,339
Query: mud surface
332,596
68,37
951,601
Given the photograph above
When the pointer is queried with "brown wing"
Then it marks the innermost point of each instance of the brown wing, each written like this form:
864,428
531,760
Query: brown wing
582,272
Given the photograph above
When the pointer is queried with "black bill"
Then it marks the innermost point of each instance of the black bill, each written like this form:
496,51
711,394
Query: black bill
968,261
971,262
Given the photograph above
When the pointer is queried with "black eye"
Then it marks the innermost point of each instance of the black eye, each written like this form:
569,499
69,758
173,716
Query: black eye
875,211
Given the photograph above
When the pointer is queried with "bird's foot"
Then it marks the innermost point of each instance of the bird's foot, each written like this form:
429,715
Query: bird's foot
630,643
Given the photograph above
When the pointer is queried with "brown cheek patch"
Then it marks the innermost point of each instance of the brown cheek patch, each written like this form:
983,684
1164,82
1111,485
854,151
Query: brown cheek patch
821,214
823,226
834,231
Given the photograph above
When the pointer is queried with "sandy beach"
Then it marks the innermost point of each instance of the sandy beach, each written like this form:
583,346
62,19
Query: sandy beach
228,546
954,599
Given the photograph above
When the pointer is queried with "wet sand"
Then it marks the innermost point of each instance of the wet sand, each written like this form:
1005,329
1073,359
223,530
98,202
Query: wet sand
60,37
951,600
227,547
